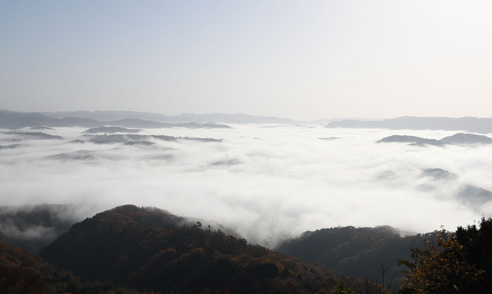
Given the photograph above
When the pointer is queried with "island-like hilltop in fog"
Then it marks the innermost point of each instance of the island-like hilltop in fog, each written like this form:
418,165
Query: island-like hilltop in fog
456,139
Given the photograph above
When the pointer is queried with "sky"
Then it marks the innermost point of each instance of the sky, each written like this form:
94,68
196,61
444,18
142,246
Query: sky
299,59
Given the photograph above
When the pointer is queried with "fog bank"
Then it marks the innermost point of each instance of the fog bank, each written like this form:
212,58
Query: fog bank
267,183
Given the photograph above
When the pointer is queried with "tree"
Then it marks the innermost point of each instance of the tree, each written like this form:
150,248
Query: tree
478,241
440,268
21,280
342,288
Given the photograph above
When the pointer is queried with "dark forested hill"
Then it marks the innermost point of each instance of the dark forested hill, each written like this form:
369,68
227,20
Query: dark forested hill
147,248
360,252
23,272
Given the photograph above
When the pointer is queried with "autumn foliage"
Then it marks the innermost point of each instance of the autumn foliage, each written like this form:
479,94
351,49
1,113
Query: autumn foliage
442,267
151,250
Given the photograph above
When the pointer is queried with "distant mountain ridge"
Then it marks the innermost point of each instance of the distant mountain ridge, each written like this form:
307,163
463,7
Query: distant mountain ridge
469,124
238,118
17,120
135,119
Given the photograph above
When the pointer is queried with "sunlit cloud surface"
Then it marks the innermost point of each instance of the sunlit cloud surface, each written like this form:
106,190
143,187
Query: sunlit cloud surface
266,183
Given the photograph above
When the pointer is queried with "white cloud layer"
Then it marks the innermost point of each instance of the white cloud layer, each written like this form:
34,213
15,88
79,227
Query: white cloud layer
267,183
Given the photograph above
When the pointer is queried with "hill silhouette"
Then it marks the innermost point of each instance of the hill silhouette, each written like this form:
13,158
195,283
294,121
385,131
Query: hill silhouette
18,120
183,118
147,248
462,138
134,138
111,130
411,139
24,272
358,252
456,139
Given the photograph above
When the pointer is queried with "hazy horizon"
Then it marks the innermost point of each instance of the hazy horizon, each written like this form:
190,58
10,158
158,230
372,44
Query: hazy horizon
310,120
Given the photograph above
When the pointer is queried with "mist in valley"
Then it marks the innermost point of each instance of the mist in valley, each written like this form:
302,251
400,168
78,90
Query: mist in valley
266,182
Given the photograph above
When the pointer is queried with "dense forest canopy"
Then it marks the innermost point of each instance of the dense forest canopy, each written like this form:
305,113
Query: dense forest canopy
132,249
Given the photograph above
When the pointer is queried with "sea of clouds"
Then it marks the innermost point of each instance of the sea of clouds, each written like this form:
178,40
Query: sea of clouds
266,182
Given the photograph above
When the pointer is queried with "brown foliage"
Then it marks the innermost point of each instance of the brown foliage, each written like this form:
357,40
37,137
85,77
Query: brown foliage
441,268
150,249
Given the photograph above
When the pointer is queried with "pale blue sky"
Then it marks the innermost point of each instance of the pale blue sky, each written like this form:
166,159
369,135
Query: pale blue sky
298,59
